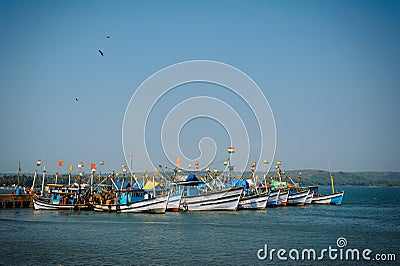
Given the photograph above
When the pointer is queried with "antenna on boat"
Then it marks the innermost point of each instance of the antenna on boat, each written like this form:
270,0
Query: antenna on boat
330,175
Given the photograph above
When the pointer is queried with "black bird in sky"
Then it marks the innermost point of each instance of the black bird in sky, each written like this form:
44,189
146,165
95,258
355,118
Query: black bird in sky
108,37
101,53
76,99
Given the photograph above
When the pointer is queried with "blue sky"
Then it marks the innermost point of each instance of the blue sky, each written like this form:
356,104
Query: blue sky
329,69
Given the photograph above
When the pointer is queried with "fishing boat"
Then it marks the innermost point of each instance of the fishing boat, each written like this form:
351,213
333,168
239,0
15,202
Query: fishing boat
273,197
283,198
59,196
59,200
199,196
253,202
309,197
133,200
335,198
297,198
173,202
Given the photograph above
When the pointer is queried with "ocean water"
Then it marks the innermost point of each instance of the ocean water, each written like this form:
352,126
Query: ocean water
368,219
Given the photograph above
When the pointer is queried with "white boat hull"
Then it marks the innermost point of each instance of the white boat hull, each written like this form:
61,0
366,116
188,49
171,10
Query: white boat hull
298,199
273,197
283,198
254,202
309,197
152,205
173,203
42,205
335,199
223,200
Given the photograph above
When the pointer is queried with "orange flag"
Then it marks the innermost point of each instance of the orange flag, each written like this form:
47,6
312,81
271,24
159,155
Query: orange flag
178,162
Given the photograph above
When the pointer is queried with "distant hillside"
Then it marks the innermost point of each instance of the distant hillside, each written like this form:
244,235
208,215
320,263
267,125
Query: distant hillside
319,177
309,177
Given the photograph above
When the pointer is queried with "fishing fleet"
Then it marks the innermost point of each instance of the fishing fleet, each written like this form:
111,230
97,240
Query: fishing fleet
175,190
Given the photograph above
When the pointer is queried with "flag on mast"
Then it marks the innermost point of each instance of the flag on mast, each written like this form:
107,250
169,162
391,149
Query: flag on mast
93,167
231,149
39,162
60,163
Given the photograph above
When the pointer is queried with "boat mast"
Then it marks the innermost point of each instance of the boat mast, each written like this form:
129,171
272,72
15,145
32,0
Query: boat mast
130,166
330,174
34,180
44,176
19,171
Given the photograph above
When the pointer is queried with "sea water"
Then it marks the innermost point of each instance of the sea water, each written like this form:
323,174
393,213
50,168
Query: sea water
369,218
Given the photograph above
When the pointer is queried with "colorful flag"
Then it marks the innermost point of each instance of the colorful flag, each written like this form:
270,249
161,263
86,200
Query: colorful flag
225,163
81,164
231,149
124,169
101,162
253,165
208,169
215,170
156,171
39,162
230,168
197,163
60,163
93,167
71,167
178,162
278,162
81,173
266,161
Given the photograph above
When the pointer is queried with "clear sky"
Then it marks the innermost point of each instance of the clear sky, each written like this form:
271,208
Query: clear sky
329,69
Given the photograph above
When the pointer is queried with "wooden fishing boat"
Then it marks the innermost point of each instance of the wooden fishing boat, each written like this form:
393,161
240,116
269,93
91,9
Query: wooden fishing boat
198,195
60,197
214,200
273,197
283,198
309,197
253,202
335,198
134,201
297,198
44,204
173,202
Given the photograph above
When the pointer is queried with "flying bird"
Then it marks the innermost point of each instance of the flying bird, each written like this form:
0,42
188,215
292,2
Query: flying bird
76,99
108,37
101,53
